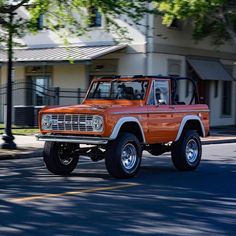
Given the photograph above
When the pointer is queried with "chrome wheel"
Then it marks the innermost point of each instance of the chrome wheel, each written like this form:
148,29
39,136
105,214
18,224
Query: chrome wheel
129,156
123,156
60,158
192,151
65,161
64,154
186,153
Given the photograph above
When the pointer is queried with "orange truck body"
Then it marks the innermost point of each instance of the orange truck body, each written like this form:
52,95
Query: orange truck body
161,123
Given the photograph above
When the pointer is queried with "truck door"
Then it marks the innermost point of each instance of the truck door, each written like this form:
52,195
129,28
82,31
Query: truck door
161,125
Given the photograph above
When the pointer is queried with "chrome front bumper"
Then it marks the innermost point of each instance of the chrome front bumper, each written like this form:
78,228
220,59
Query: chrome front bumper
71,139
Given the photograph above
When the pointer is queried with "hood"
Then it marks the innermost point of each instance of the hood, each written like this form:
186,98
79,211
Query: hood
75,109
93,108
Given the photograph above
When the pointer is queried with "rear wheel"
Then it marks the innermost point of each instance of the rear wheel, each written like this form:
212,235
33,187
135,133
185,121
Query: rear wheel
123,156
187,151
59,158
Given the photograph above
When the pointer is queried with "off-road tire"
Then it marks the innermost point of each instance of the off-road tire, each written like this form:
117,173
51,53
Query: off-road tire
123,156
52,158
187,151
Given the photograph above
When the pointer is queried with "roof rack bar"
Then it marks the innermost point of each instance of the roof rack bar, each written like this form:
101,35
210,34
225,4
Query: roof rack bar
110,77
138,76
149,76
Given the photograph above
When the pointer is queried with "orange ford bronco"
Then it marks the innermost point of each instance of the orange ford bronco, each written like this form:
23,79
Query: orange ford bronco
121,117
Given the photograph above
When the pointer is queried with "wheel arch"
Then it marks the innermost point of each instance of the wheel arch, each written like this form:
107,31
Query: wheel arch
191,122
131,125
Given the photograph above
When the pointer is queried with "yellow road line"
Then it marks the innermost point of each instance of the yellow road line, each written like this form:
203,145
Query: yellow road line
53,195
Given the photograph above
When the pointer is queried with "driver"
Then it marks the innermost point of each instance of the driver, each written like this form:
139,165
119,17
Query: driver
120,91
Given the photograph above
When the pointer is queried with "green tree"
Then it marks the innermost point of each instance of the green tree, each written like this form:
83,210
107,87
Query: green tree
75,15
72,16
215,18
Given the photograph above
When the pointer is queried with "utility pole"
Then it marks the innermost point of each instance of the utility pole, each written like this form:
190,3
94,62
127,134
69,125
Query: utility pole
7,137
148,38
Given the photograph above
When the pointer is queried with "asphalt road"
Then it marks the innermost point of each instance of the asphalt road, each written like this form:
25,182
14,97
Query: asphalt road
160,201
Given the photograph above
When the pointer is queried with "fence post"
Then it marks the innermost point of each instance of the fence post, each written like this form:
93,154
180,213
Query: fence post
79,95
57,95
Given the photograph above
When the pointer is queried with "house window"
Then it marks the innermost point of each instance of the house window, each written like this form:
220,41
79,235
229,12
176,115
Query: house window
37,85
40,22
226,98
176,24
95,17
216,88
37,92
187,87
40,87
174,67
174,70
104,67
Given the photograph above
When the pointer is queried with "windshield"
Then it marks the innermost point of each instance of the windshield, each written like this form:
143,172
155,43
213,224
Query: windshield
118,89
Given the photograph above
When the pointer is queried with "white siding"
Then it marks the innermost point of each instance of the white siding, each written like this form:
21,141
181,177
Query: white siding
160,63
216,117
131,64
68,77
183,38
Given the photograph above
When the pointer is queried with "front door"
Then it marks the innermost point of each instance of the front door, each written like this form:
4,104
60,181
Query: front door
38,90
204,89
160,113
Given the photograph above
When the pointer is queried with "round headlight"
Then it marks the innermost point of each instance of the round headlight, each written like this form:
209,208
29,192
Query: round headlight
97,123
46,122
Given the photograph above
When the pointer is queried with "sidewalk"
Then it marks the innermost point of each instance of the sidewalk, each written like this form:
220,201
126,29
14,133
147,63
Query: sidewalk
27,146
224,134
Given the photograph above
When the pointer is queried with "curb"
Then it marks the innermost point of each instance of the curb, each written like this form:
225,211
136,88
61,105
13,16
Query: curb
221,141
39,153
21,155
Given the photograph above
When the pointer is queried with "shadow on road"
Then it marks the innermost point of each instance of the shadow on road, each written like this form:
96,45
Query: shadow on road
166,201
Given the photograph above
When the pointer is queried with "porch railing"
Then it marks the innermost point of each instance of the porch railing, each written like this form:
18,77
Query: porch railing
27,94
54,95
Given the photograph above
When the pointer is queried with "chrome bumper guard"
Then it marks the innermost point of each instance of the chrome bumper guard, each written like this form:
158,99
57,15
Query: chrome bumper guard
71,139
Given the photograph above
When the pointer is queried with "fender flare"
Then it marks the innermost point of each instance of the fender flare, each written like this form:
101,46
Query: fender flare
122,121
185,120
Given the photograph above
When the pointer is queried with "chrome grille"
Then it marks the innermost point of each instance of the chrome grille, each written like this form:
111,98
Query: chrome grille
72,122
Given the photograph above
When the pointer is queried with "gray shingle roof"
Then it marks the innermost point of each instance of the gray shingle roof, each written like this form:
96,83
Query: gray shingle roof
58,54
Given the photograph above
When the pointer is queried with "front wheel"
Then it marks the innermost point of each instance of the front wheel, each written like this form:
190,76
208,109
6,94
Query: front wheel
187,151
60,158
123,156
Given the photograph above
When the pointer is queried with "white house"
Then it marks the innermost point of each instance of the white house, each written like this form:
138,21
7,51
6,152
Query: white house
43,68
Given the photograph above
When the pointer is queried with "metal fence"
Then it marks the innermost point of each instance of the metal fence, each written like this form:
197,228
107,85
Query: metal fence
29,94
53,95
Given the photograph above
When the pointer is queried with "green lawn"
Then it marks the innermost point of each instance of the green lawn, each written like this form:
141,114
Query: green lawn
21,131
